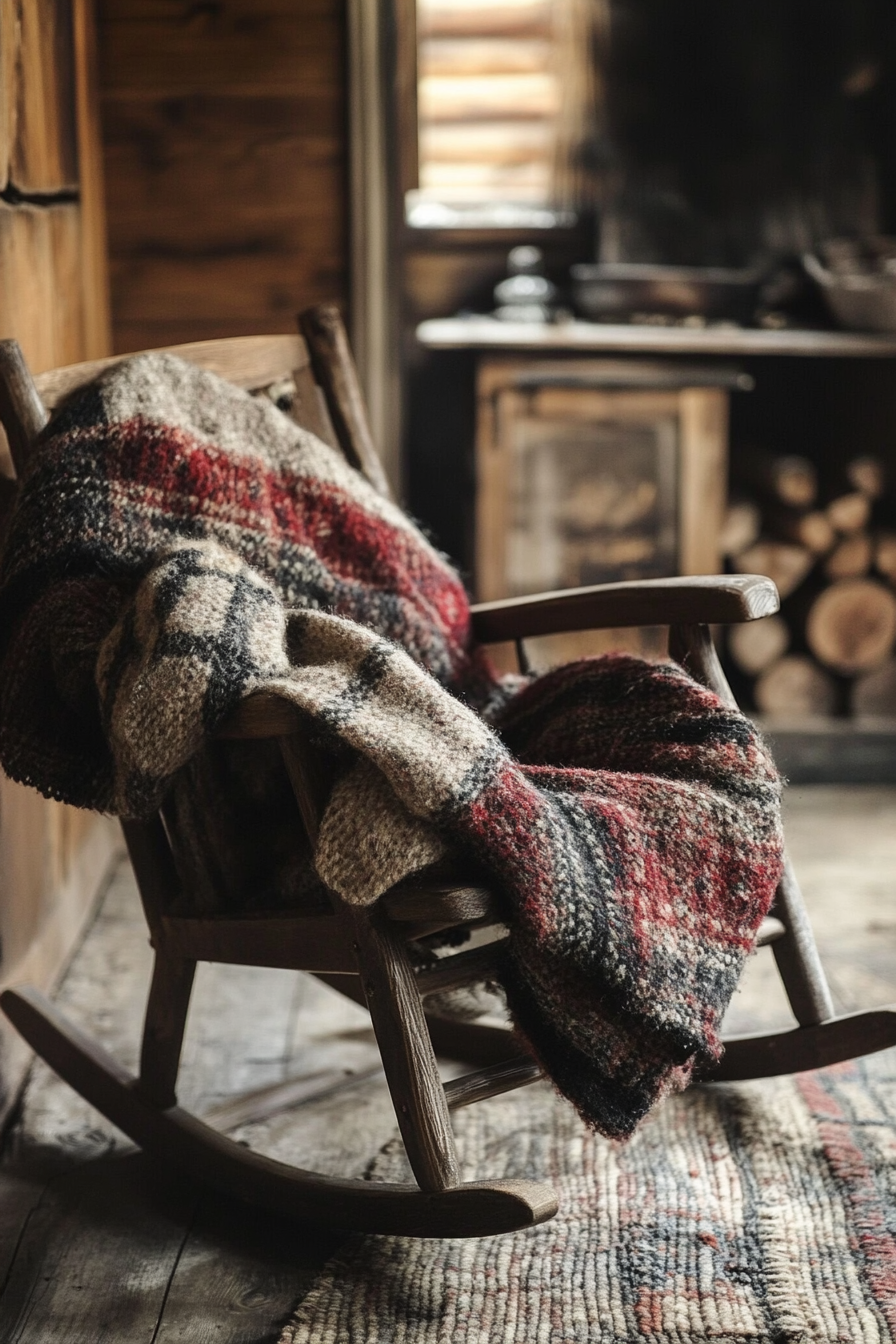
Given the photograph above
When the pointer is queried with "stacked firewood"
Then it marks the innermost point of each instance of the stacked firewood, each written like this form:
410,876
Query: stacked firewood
831,648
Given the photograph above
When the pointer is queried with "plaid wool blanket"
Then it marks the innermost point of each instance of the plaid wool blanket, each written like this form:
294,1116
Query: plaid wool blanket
178,544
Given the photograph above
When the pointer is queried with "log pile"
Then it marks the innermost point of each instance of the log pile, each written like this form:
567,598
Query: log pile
832,648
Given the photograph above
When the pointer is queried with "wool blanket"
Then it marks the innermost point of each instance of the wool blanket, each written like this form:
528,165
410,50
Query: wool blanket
178,545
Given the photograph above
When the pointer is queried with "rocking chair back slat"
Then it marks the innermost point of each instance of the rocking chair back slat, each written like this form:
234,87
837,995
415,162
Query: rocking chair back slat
22,411
334,369
247,361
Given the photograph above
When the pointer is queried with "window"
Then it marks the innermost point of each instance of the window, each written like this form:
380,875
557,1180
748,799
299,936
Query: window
503,94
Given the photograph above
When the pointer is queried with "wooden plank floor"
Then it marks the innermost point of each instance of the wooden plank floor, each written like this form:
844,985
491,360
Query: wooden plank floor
98,1243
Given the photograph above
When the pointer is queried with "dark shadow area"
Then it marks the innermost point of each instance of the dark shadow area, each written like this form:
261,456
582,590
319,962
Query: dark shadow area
125,1248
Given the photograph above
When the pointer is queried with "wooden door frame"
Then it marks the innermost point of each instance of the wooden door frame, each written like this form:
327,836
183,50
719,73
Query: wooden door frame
382,163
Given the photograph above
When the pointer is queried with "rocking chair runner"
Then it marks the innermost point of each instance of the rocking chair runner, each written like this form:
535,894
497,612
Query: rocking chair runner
362,951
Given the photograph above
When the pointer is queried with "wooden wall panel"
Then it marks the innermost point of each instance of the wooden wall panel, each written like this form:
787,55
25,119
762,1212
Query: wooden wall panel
8,48
225,160
94,261
53,300
38,95
52,864
45,152
177,47
42,300
53,285
26,295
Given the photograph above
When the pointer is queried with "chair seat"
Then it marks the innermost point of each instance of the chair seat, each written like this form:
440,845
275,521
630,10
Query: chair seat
317,942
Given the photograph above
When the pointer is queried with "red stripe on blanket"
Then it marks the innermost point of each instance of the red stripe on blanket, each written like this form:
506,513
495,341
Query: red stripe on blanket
174,471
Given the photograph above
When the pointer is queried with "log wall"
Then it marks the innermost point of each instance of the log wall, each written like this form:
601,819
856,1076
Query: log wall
53,299
52,245
224,132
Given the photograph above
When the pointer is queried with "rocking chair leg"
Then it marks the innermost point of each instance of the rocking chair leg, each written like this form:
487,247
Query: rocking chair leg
409,1061
163,1028
796,953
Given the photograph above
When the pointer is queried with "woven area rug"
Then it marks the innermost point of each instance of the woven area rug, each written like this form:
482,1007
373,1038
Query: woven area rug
765,1211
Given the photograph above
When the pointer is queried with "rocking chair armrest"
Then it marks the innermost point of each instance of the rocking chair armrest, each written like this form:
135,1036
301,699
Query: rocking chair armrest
699,599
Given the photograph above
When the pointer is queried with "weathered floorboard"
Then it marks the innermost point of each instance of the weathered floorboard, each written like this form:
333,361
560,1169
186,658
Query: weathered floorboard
96,1254
246,1273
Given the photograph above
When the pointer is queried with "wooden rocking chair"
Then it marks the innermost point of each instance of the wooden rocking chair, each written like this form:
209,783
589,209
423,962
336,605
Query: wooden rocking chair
364,951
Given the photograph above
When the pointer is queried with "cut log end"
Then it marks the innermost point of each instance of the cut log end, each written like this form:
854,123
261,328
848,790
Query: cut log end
849,513
756,645
794,481
814,531
795,688
784,564
885,555
874,694
790,479
851,626
868,475
740,527
851,557
812,528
